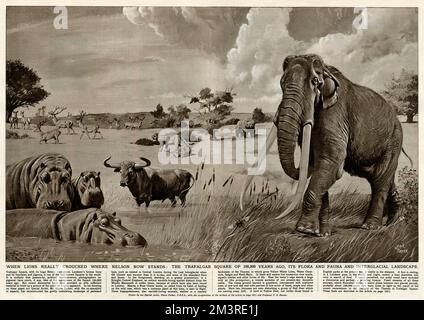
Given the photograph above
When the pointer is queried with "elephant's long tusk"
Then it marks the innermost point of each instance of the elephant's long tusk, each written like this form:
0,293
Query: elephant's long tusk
303,170
269,141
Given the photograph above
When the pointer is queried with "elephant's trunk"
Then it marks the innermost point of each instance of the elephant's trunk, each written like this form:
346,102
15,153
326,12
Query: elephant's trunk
288,125
290,122
303,169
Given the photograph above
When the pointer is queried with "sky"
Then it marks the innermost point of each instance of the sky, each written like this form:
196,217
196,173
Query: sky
114,59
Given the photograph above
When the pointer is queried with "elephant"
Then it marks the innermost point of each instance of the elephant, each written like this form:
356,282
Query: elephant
340,126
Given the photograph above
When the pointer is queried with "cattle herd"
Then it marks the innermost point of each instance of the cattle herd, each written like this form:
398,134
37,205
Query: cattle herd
43,200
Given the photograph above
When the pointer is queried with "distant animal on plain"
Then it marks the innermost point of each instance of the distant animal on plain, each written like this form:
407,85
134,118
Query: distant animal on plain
61,124
245,127
26,121
135,123
13,120
96,131
50,135
147,184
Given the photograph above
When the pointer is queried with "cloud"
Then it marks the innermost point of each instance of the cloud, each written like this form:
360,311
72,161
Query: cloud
167,95
211,31
261,45
368,57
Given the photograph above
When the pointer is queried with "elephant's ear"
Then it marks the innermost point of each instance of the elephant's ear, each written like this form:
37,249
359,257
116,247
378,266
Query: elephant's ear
329,89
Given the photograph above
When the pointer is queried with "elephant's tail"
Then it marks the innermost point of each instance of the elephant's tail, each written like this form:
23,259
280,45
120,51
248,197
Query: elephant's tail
409,158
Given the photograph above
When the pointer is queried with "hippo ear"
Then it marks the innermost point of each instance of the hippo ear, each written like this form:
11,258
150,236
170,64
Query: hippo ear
114,214
42,165
92,216
98,173
68,167
82,173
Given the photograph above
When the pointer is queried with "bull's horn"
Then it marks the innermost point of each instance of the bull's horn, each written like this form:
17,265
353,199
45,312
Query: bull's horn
110,165
303,170
269,141
139,166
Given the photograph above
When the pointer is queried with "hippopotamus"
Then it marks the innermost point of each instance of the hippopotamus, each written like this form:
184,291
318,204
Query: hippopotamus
90,225
42,181
88,192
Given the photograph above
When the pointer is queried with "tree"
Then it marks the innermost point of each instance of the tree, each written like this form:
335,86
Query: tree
402,92
158,113
258,116
23,88
183,112
213,107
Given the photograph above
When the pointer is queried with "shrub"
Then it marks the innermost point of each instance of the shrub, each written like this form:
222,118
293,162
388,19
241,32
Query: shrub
14,135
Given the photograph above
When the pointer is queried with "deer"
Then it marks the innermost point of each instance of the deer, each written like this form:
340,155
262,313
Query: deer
13,120
26,121
39,125
136,122
83,127
68,124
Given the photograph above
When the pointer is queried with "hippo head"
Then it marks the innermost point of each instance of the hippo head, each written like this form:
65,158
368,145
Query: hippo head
89,191
53,187
107,228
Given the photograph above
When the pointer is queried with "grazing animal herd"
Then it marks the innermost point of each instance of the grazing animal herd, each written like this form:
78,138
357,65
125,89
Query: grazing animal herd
41,195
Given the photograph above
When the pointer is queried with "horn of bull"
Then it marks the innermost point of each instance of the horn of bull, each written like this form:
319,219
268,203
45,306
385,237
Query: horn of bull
111,165
139,166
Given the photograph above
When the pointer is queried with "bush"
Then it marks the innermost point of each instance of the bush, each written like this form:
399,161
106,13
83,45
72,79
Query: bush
408,194
231,121
14,135
146,142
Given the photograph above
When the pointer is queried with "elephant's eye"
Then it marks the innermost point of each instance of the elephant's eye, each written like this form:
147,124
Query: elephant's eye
315,81
104,222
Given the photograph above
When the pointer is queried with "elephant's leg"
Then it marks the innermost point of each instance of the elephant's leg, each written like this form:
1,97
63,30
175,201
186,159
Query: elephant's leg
324,216
315,199
374,217
392,204
381,181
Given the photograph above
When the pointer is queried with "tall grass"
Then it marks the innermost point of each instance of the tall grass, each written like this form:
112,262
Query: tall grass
213,223
266,239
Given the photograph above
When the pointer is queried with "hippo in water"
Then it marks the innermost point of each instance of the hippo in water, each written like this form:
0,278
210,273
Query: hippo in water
91,225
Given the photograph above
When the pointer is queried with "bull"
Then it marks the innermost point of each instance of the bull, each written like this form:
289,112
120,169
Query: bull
88,225
42,181
147,184
88,192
